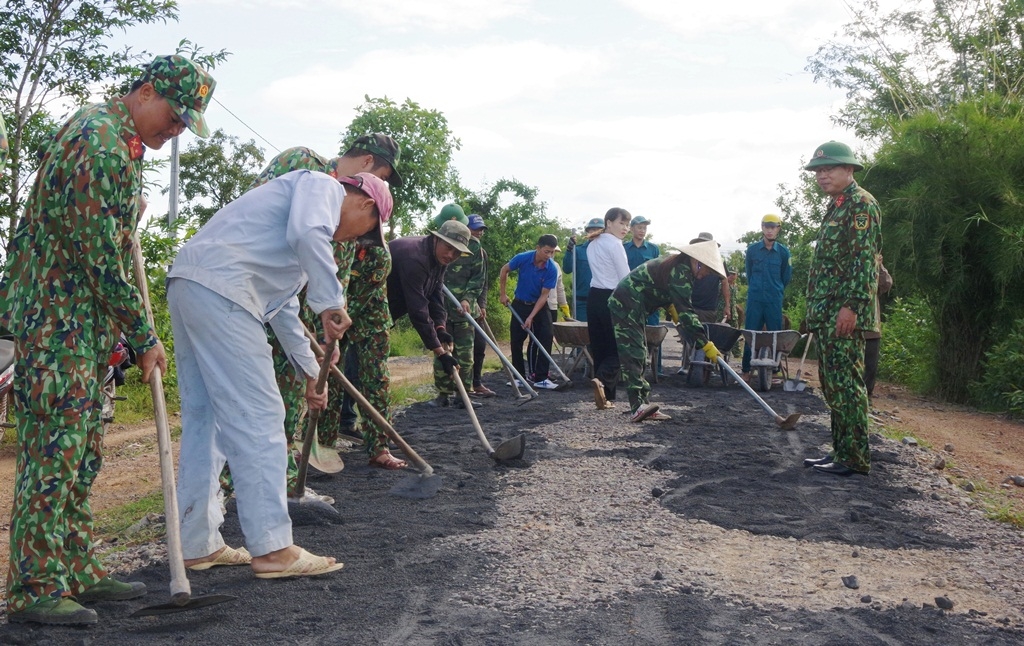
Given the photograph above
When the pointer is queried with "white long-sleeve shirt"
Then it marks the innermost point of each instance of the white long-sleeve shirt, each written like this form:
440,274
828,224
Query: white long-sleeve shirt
260,250
608,263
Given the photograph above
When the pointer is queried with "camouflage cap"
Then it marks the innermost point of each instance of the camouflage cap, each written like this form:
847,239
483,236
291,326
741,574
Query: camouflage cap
186,86
384,147
456,234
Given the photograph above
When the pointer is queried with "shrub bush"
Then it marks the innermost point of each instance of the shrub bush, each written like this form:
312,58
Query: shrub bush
1001,386
910,345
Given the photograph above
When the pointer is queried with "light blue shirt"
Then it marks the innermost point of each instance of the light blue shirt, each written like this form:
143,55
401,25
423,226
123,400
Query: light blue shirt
260,250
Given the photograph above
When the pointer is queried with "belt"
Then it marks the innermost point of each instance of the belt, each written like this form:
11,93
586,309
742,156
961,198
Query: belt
522,302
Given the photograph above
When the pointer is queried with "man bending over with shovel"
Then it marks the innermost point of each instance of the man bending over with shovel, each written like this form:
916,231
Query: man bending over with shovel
243,270
664,281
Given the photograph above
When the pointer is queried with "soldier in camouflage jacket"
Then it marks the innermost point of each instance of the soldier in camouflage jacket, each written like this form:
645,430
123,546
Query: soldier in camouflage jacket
841,292
65,297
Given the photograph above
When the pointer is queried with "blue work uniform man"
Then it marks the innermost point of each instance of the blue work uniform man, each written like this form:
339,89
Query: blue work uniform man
768,273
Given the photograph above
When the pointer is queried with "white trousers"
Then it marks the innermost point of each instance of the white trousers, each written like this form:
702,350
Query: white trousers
231,410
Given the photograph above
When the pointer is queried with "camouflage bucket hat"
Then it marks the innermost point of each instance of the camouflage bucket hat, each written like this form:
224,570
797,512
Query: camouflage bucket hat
456,234
384,147
186,86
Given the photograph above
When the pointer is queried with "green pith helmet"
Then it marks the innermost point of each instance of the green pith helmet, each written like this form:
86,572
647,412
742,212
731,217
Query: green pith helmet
833,153
448,212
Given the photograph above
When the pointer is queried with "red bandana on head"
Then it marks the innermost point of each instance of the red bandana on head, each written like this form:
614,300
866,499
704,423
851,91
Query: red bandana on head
136,148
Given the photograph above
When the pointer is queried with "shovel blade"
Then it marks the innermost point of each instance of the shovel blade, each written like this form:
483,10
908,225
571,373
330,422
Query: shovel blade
788,423
194,603
512,449
325,460
564,386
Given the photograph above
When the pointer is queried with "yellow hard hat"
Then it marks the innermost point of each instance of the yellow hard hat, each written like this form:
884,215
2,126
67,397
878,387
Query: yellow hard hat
771,218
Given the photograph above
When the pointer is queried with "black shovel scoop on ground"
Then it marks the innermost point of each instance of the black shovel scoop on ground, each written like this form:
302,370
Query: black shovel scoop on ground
511,449
785,423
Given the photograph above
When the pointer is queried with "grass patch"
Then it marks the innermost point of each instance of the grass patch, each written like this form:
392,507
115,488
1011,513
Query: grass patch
112,523
138,403
1004,512
897,434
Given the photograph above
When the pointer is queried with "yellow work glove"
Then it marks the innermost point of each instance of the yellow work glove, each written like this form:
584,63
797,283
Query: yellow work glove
564,309
711,352
673,314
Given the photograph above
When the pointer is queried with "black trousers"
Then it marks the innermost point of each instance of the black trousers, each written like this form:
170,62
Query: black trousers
871,349
517,336
602,340
479,348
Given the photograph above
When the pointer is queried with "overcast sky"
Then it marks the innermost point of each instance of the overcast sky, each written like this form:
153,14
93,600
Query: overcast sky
690,115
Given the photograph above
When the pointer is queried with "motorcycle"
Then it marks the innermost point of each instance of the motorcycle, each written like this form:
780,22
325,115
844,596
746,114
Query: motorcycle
121,358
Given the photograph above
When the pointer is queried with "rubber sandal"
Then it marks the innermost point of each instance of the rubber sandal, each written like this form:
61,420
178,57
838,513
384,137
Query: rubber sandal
384,460
306,565
228,556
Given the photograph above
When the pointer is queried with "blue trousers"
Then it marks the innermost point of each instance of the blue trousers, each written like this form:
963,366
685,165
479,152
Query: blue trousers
760,315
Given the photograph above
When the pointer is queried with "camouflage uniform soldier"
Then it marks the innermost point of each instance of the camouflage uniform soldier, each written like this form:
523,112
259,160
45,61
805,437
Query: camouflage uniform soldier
841,292
376,154
465,278
65,297
662,282
369,342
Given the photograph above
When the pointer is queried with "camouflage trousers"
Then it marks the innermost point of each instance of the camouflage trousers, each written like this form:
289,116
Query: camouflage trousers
57,413
630,325
373,379
293,393
464,335
841,368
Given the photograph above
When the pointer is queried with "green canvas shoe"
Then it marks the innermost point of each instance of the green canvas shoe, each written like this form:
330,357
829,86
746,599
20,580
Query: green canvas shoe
56,612
108,589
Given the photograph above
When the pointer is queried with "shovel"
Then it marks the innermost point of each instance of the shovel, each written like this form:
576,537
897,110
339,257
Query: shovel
785,423
310,438
509,449
566,382
513,374
181,591
796,384
422,486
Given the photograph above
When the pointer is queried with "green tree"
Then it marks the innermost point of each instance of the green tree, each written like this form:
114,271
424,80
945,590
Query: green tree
923,56
953,211
214,172
426,156
53,51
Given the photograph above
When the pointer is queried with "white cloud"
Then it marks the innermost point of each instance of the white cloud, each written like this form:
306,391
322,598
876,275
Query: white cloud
446,79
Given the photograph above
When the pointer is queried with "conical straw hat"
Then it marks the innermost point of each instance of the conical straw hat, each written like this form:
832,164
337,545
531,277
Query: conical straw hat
706,253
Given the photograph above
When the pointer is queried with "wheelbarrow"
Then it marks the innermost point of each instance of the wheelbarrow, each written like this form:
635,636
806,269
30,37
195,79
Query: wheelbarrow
724,337
573,338
768,353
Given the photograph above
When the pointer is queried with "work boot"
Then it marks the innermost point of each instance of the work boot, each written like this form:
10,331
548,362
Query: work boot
108,589
55,612
458,403
441,401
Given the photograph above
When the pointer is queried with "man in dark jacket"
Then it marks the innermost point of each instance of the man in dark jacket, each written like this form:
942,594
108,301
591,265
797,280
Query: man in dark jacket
414,287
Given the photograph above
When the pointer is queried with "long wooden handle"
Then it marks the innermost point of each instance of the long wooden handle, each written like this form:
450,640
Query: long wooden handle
181,590
468,404
539,345
311,423
373,412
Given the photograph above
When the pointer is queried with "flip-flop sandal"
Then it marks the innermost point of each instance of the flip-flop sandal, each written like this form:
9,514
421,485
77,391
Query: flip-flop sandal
306,565
228,556
385,460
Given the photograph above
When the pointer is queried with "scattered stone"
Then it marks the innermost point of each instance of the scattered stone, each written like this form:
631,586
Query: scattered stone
851,582
855,554
657,492
936,495
910,441
948,448
1017,480
658,576
854,517
866,599
944,603
967,486
940,582
908,605
940,463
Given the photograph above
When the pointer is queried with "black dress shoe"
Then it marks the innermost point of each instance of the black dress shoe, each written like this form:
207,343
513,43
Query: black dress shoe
813,462
836,469
457,403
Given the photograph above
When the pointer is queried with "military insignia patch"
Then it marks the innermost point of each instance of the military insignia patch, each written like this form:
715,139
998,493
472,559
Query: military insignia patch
840,200
861,221
135,147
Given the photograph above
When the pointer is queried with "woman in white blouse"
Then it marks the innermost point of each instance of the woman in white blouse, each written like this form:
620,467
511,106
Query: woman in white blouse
608,265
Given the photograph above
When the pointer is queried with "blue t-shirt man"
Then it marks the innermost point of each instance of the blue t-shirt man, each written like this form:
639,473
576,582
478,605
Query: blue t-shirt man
768,273
538,275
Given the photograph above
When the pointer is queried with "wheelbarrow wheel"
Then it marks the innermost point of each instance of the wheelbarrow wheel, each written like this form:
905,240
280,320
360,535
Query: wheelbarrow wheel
695,376
764,379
